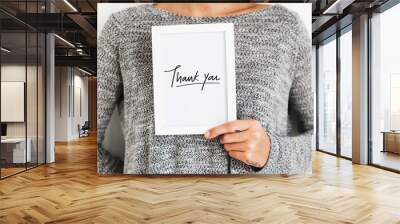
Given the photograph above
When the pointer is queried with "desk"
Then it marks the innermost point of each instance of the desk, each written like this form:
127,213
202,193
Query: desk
13,150
391,141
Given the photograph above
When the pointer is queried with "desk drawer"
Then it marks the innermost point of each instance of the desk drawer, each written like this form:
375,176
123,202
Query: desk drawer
392,142
6,154
16,152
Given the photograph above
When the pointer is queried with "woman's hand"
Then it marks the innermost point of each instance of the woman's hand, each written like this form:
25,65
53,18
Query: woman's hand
244,140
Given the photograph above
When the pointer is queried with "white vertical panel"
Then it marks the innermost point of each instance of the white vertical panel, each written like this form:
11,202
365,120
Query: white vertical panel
12,101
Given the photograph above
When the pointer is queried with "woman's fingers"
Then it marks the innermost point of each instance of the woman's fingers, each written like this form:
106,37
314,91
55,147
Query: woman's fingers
229,127
244,140
238,155
241,136
241,146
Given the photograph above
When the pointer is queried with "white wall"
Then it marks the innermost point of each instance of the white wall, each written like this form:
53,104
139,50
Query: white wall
61,103
16,72
12,72
80,83
33,126
68,80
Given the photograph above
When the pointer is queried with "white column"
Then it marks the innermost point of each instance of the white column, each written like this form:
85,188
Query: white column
360,90
50,100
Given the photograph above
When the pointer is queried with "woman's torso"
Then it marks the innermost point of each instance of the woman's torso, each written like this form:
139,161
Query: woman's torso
263,46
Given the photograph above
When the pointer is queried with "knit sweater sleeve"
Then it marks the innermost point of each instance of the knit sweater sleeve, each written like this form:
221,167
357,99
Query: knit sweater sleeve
109,92
291,154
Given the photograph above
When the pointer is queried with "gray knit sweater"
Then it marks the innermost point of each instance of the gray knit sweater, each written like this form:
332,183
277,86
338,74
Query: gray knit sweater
273,85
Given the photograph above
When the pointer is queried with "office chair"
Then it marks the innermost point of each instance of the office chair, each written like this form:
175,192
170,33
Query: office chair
84,130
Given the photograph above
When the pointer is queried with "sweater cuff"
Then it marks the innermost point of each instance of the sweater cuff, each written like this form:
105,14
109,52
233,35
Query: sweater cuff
258,169
273,164
107,163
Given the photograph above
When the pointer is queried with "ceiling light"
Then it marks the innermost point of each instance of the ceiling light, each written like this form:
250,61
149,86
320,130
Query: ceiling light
338,6
84,71
70,5
5,50
64,40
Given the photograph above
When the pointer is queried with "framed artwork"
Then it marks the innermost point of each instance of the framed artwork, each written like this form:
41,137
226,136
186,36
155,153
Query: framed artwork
13,101
194,82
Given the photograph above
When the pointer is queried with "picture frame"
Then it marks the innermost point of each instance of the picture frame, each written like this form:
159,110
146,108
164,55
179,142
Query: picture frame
200,58
13,98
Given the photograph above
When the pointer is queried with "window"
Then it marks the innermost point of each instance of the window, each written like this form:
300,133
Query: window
346,93
22,77
327,96
314,88
385,89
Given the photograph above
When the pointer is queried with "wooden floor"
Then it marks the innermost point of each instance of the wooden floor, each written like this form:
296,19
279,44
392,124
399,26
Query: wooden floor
387,159
70,191
5,172
8,171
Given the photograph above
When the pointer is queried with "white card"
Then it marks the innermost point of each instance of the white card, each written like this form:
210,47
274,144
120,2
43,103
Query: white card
193,77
